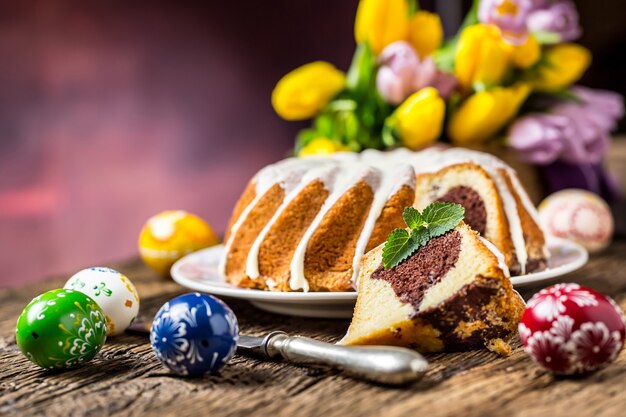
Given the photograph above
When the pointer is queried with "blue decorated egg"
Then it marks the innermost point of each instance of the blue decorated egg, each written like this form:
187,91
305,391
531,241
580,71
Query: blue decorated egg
194,334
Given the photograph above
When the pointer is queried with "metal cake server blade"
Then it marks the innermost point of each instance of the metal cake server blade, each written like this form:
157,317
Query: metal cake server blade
382,364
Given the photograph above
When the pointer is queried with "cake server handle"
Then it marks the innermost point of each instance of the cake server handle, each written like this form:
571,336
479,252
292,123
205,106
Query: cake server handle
382,364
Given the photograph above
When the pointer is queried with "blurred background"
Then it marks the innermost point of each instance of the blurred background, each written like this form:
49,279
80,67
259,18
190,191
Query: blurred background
112,111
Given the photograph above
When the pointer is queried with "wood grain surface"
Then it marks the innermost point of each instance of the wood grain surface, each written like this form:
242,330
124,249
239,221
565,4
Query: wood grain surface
127,379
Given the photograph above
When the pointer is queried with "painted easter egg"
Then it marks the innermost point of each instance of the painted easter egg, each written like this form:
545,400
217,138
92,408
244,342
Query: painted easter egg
578,215
570,329
113,292
194,334
170,235
60,329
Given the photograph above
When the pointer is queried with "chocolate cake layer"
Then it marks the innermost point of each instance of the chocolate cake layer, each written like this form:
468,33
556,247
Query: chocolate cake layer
536,265
423,269
475,211
472,306
533,265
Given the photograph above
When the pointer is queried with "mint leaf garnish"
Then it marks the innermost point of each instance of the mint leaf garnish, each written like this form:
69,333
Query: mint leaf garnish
442,217
433,221
420,236
398,247
412,217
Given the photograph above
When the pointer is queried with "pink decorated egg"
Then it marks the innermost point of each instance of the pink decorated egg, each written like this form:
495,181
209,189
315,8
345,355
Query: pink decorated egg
570,329
577,215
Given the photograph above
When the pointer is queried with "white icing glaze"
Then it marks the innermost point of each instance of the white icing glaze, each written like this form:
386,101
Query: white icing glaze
499,256
385,172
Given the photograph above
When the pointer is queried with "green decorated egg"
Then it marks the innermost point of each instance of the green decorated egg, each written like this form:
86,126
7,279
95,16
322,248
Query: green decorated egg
61,329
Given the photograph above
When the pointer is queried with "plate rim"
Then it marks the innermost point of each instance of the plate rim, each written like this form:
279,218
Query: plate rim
326,297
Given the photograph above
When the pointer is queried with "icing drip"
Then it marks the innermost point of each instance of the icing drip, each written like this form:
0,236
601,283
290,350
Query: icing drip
325,174
286,173
392,180
432,160
499,256
347,177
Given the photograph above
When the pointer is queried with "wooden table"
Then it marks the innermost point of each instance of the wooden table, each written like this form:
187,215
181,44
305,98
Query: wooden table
127,379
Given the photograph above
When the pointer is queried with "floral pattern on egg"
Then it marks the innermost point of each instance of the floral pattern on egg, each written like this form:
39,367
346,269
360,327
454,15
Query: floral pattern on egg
571,329
61,329
113,292
194,334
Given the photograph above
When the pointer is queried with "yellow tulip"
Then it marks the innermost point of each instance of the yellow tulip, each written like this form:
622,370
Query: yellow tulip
381,22
322,146
305,91
425,33
527,54
419,119
481,56
564,65
483,114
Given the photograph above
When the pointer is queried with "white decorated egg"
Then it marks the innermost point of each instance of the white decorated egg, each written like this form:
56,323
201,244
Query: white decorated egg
113,292
578,215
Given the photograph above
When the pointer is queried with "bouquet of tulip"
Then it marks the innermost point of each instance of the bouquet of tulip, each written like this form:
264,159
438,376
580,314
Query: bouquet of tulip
507,77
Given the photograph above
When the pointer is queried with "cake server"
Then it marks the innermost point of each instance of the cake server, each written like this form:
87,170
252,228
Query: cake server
382,364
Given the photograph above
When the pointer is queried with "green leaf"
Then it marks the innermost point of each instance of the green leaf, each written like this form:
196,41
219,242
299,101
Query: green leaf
442,217
342,105
324,125
420,236
305,136
445,56
362,70
435,220
547,38
414,7
412,217
399,246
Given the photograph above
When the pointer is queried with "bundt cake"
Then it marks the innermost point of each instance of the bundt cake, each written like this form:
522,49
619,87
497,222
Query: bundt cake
453,293
305,223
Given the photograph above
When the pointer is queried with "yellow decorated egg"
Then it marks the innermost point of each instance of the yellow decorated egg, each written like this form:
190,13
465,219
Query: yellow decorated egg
170,235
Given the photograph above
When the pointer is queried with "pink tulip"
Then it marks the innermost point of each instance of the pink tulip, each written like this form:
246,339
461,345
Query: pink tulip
560,18
402,72
509,15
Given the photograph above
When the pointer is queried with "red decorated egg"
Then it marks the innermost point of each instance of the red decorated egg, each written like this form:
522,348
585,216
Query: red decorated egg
569,329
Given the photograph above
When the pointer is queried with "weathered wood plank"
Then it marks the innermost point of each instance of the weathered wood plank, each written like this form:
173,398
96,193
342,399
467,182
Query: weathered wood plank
126,378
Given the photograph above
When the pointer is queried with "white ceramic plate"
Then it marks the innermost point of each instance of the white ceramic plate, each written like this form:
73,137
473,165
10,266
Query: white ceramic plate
198,271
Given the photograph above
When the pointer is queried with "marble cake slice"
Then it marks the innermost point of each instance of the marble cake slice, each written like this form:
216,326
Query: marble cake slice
452,294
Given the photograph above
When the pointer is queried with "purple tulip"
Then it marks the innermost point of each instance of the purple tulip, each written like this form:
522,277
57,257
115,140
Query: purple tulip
402,72
574,131
607,107
509,15
539,138
560,18
593,117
